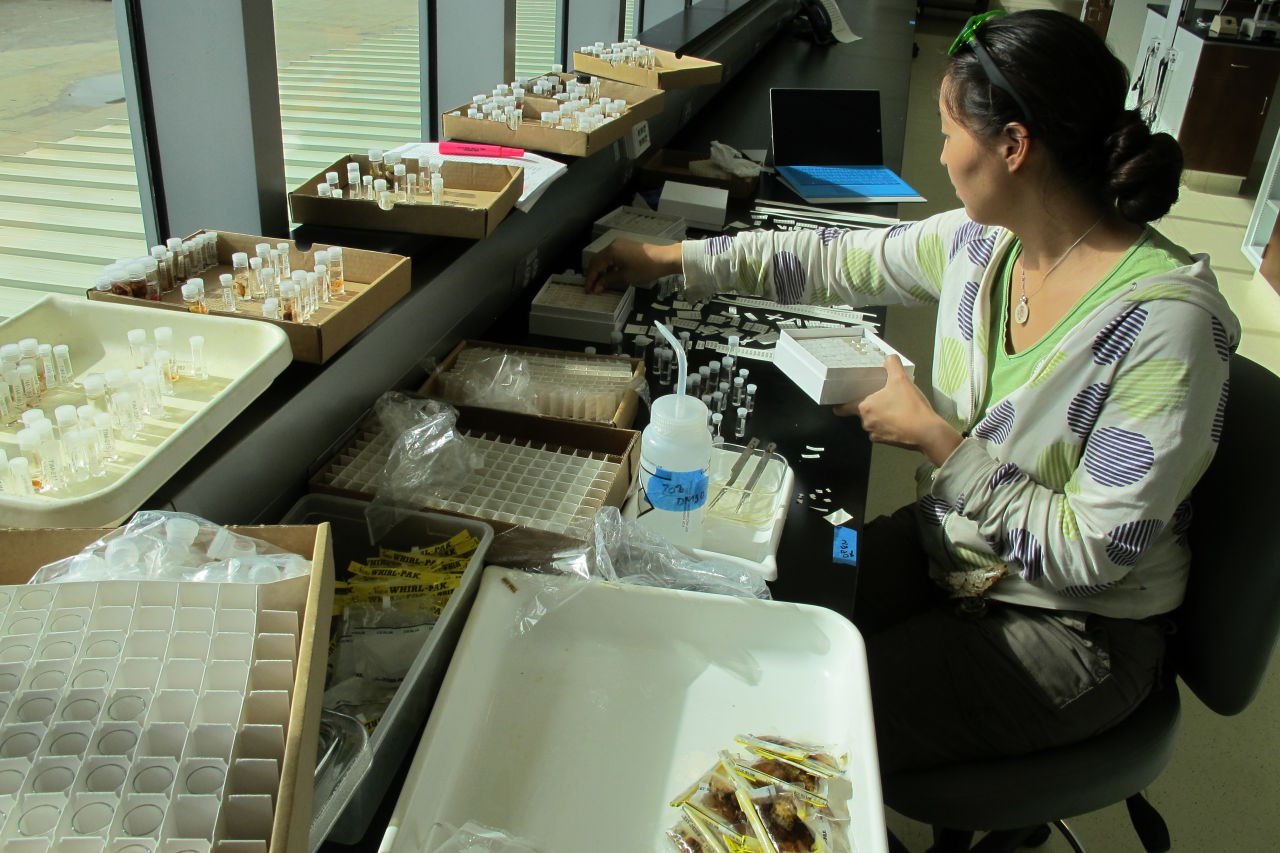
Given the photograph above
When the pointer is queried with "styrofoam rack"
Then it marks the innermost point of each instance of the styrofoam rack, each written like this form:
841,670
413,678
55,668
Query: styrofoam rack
640,220
562,308
150,713
656,680
243,357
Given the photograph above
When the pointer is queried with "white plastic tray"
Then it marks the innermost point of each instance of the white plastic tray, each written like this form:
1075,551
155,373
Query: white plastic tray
576,734
243,357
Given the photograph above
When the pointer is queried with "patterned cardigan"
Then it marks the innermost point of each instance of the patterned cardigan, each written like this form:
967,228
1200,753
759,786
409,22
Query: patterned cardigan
1071,493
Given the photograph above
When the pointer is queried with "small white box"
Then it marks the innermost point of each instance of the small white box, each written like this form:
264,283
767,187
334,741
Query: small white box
825,364
602,242
701,207
563,309
640,220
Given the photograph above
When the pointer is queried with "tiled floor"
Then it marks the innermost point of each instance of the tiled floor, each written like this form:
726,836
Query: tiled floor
1219,791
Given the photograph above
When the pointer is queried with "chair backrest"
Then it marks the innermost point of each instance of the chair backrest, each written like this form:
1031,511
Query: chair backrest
1227,626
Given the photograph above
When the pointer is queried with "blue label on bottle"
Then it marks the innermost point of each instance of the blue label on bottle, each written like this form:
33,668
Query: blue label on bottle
677,491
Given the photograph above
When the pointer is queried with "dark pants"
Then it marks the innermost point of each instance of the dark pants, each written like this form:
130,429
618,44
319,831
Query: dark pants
949,687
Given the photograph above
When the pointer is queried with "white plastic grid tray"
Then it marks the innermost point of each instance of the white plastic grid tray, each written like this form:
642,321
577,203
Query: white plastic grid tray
640,220
243,358
522,482
151,714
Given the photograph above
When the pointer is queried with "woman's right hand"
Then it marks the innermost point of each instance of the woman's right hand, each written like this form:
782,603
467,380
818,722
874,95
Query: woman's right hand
625,262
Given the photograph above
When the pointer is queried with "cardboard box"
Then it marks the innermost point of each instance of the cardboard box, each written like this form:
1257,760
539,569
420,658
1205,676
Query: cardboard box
668,165
672,72
375,282
641,104
27,550
477,196
830,384
355,469
702,207
624,416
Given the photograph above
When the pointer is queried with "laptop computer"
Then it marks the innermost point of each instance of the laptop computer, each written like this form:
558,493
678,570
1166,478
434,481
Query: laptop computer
827,146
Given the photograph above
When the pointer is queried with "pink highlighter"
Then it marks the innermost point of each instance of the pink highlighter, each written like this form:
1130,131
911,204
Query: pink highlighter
474,149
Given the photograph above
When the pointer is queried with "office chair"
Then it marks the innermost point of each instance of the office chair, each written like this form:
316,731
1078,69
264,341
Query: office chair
1226,631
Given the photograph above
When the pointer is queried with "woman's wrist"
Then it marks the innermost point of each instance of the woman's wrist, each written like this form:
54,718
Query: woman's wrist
940,442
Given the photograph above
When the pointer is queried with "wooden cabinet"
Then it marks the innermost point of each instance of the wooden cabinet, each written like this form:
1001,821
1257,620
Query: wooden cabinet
1227,107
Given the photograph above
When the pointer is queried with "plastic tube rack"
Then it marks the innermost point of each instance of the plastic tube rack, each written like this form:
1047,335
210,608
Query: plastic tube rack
639,220
523,482
562,386
143,716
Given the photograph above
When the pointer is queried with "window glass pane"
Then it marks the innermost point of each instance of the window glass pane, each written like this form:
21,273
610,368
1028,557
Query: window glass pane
68,186
349,80
537,42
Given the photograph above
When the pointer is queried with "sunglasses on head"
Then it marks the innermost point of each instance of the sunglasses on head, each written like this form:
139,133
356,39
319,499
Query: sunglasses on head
969,36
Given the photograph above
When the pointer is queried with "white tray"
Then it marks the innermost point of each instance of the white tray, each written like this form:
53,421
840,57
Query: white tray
578,733
243,357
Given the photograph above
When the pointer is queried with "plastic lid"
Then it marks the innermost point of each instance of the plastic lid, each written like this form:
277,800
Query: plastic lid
26,370
102,419
298,275
115,376
102,283
399,170
322,257
66,416
375,153
255,263
380,185
86,414
190,291
751,388
679,412
198,282
61,349
164,334
44,429
240,259
181,531
331,177
286,288
197,342
28,440
270,305
283,246
319,268
158,252
225,279
174,243
44,349
94,384
31,417
335,253
737,381
137,336
20,467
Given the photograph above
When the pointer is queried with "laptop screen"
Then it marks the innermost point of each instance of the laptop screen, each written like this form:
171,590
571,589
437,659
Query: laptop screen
826,127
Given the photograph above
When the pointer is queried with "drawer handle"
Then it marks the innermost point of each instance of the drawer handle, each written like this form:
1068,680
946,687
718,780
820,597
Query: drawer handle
1237,65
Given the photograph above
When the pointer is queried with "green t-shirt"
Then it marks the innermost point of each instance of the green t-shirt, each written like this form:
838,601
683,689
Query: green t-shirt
1151,254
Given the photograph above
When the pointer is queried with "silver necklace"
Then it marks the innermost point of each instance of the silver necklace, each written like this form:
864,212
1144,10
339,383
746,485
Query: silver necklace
1022,311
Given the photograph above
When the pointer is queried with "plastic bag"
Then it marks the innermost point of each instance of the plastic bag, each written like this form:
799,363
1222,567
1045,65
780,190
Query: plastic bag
729,161
429,458
474,837
617,551
498,381
157,545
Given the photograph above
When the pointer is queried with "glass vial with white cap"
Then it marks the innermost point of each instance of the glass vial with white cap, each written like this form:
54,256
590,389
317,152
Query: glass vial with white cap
199,367
337,272
193,296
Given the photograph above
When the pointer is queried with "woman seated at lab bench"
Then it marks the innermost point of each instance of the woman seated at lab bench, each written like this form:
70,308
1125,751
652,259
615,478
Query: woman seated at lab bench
1079,379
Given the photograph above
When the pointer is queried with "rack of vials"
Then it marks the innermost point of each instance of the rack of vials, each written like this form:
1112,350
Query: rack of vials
521,481
562,386
142,716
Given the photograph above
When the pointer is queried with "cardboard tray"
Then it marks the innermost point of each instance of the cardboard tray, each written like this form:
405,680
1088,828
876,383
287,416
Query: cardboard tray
375,282
352,461
244,357
477,196
831,385
673,72
625,415
642,103
612,676
668,165
27,550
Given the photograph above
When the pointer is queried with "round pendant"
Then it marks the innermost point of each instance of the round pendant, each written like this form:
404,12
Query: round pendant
1021,313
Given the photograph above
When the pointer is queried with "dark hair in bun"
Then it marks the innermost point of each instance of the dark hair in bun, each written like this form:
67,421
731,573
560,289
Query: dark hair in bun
1074,88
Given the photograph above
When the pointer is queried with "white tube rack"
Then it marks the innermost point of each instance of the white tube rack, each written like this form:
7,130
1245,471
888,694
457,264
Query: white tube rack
147,717
522,481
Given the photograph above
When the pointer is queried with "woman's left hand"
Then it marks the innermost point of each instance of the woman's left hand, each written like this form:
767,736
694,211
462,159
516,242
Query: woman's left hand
900,415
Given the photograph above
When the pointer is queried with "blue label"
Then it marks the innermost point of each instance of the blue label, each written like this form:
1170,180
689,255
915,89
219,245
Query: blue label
677,491
845,548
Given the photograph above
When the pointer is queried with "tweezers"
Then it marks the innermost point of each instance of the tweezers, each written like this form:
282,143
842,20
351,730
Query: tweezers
755,475
736,470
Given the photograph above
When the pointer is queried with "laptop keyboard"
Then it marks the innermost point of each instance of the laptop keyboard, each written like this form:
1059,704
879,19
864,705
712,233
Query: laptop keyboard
850,176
